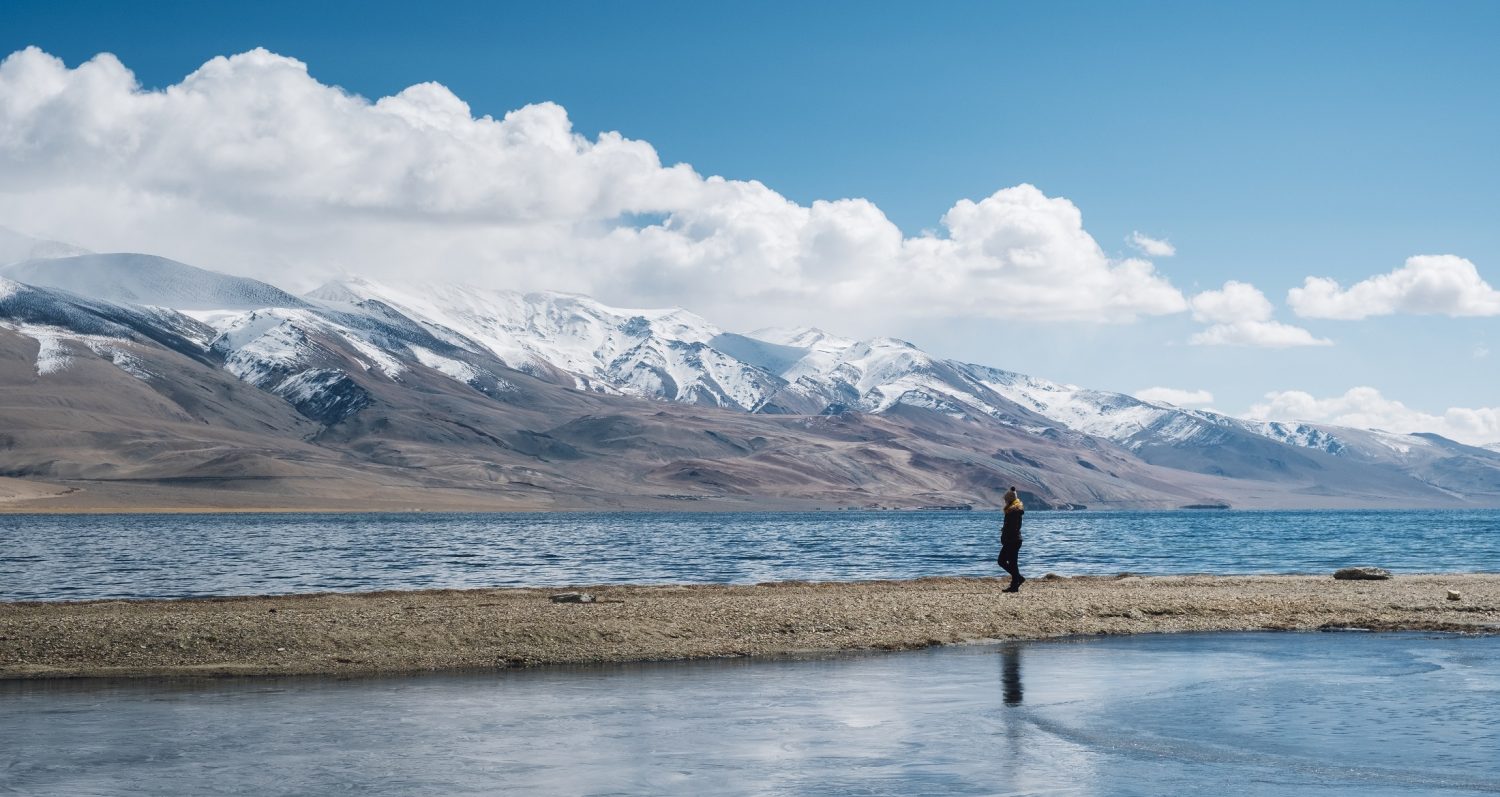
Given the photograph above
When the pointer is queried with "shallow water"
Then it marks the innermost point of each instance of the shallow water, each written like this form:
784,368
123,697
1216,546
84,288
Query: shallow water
52,557
1237,714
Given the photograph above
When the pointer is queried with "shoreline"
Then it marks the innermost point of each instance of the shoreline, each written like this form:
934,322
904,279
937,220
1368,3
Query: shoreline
381,633
706,507
88,497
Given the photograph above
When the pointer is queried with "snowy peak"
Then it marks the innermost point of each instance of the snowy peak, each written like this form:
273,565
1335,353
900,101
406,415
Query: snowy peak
827,372
664,354
810,338
336,292
15,248
150,280
1142,425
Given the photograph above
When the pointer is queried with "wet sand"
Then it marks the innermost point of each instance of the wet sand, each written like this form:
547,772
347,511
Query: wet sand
392,632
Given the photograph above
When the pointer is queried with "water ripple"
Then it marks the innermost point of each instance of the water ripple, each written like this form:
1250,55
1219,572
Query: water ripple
52,557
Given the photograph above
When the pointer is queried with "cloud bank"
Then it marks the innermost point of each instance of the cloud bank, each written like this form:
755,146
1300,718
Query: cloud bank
1426,285
252,166
1365,408
1240,315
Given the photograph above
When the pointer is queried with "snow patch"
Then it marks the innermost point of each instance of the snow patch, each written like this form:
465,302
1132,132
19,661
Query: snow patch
54,354
306,385
453,369
122,359
1402,444
378,357
51,355
219,320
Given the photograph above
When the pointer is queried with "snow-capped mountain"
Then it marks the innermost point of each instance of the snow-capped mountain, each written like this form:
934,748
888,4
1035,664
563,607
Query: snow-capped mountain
674,355
663,354
15,247
876,375
148,280
364,361
258,333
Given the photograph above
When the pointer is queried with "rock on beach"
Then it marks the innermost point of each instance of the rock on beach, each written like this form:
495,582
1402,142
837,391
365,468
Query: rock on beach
572,597
1362,574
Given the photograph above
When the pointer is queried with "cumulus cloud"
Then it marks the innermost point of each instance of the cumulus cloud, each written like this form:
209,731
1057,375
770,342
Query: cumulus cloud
250,165
1151,247
1366,408
1240,315
1426,285
1175,396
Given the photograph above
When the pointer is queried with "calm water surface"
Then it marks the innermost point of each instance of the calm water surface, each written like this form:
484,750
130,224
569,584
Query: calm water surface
53,557
1237,714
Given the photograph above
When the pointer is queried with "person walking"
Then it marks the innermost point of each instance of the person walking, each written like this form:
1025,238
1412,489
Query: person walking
1010,539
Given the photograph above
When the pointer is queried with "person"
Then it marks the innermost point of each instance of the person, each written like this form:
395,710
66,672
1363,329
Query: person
1010,539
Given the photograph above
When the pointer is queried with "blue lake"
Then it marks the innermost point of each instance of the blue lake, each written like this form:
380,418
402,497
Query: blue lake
1361,715
74,557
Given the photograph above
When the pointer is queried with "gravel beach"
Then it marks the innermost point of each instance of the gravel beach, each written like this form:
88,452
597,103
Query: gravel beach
392,632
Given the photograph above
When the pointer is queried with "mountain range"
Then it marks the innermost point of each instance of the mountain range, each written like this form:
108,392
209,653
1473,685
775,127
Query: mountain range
133,381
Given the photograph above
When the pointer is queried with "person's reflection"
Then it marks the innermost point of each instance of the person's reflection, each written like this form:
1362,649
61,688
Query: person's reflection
1010,674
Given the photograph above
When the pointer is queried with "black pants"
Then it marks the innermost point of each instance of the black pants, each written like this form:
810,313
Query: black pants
1010,552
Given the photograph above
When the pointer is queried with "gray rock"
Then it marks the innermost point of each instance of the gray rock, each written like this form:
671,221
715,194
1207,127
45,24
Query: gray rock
1454,595
572,597
1362,574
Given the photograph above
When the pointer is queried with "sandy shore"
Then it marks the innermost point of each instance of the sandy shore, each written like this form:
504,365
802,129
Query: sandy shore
348,634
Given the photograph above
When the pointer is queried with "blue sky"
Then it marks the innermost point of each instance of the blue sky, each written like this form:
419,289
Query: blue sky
1267,142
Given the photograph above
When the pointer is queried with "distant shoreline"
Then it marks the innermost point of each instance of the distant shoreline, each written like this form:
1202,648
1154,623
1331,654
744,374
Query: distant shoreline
431,630
26,497
39,508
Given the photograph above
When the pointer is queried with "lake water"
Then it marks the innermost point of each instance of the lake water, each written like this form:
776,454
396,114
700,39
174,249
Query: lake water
73,557
1232,714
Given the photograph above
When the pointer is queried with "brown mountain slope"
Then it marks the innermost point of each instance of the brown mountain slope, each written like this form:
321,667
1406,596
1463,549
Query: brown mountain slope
180,432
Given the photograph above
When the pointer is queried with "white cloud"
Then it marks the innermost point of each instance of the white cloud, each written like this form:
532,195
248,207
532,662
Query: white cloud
1236,301
1481,352
1240,315
1365,408
1175,396
1426,285
1151,247
1264,334
250,165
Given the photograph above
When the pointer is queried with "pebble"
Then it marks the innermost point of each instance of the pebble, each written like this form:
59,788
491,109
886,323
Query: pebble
1454,595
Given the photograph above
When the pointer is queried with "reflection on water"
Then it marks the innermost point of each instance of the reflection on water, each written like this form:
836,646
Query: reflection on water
1251,714
139,556
1010,674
